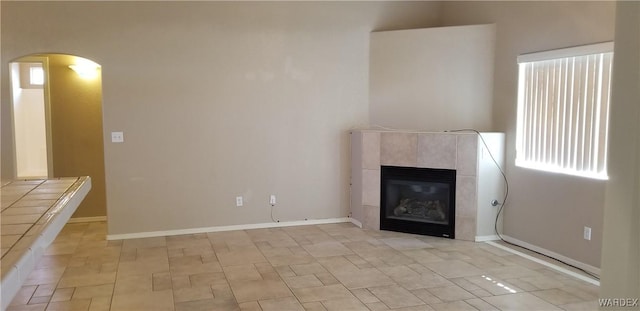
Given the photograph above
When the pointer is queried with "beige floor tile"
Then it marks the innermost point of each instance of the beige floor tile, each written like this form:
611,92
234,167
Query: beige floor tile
39,300
541,282
19,219
144,243
180,281
362,278
423,280
364,295
451,293
302,281
131,284
88,292
519,301
328,267
581,306
194,267
493,285
453,268
161,281
226,304
377,306
426,296
291,259
144,266
209,278
480,293
313,306
54,261
192,293
152,252
556,296
23,295
24,210
100,304
241,257
44,290
405,243
45,276
327,249
62,294
151,301
36,307
71,305
345,304
396,297
583,291
250,306
511,271
338,263
481,304
252,290
327,278
14,229
265,267
454,306
322,293
281,304
241,272
311,268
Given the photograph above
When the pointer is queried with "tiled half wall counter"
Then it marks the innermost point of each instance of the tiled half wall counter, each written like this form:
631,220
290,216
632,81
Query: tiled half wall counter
478,179
33,213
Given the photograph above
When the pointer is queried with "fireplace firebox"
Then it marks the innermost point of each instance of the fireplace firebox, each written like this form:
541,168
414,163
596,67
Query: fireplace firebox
418,200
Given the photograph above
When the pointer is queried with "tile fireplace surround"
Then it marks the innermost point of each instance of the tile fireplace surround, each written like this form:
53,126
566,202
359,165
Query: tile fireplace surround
478,180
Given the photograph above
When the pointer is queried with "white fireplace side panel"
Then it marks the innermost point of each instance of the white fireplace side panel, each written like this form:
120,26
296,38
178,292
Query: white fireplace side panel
491,185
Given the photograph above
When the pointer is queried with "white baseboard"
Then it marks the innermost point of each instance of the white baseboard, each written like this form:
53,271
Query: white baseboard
355,222
87,219
551,254
151,234
484,238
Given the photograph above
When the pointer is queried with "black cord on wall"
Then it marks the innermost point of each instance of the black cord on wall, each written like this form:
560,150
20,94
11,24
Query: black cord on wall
504,202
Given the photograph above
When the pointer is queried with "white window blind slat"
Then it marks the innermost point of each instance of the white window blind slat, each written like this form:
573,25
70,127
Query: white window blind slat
563,106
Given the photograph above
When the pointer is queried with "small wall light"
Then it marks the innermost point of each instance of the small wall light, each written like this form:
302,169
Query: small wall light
85,68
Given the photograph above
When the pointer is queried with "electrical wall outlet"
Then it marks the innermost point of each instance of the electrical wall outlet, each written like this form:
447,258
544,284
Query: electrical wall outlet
117,137
239,201
587,233
272,199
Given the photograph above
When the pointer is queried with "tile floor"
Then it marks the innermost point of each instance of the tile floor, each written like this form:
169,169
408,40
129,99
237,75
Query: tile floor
316,267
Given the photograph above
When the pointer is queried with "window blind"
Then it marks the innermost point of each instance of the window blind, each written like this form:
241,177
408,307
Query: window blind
563,112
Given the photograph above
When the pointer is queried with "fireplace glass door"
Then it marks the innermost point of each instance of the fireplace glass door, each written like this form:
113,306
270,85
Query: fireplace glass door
418,200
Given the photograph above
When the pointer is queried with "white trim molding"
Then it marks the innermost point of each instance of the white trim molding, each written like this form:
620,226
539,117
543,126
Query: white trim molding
151,234
355,222
551,254
485,238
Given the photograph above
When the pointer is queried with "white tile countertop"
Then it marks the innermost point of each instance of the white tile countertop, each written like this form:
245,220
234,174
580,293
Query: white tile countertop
33,213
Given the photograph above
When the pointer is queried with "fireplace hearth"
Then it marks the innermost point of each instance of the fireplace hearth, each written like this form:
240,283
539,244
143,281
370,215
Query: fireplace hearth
418,200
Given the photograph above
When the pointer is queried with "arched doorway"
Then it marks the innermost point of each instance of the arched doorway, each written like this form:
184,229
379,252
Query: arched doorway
72,114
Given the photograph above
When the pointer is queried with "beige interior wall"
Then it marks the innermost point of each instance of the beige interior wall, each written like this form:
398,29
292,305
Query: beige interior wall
542,206
432,79
220,99
76,130
621,248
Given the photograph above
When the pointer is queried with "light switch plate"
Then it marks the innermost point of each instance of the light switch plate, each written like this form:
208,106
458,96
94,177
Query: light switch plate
117,137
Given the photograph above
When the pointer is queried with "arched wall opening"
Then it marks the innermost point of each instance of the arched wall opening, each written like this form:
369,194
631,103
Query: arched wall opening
72,116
